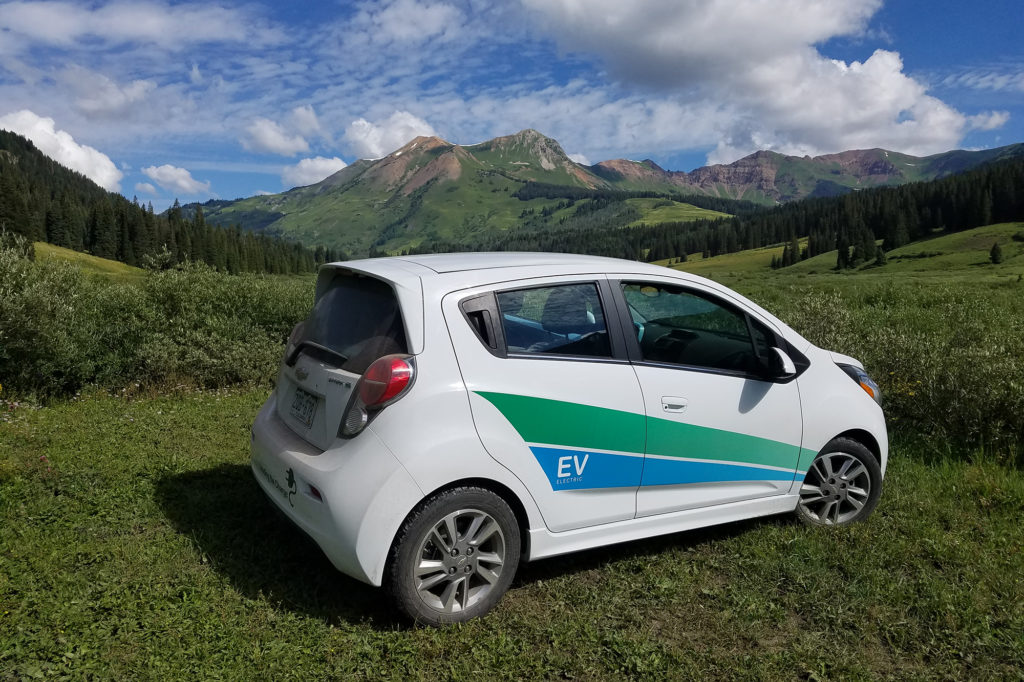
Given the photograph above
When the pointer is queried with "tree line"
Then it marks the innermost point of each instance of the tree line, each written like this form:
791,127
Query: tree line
542,190
44,201
850,223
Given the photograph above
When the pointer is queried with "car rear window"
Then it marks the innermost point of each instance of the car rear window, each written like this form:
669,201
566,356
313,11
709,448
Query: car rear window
358,319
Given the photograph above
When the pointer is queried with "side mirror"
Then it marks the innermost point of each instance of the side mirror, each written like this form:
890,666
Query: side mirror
780,365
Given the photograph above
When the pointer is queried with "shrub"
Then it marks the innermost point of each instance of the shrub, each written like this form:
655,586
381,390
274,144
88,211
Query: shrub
948,358
61,330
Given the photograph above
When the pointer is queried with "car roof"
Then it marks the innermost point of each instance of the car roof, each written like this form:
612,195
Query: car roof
459,262
444,263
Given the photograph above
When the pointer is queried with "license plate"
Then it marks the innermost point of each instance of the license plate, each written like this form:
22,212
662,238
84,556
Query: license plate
304,406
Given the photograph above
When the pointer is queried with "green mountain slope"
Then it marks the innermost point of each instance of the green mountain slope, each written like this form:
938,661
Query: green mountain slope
46,202
429,191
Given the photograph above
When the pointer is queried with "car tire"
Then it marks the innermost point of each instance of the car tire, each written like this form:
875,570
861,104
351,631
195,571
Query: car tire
454,557
842,485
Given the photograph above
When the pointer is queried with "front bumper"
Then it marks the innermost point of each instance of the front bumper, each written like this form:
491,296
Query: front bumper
364,492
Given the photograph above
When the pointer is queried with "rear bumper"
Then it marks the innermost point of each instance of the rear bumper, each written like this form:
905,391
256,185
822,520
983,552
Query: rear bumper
364,492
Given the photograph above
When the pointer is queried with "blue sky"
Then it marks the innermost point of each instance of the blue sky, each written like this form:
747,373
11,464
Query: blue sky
212,99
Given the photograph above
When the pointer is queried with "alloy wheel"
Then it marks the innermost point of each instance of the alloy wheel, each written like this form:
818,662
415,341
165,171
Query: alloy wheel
459,560
835,489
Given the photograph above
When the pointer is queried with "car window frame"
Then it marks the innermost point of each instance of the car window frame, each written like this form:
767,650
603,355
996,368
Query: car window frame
488,302
635,352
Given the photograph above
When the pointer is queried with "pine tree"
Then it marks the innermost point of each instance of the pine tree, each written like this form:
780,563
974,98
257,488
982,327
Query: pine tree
996,254
103,231
843,252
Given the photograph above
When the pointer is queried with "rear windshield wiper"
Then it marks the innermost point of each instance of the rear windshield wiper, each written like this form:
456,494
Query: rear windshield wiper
294,355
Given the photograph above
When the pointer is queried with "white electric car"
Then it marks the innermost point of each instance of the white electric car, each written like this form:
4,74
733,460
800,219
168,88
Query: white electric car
438,419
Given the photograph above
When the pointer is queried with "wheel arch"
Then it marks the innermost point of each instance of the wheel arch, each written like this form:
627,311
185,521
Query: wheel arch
499,489
866,439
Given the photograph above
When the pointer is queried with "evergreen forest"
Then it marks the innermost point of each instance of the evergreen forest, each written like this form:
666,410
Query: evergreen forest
42,200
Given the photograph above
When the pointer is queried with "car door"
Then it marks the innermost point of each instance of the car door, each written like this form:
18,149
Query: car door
718,431
553,395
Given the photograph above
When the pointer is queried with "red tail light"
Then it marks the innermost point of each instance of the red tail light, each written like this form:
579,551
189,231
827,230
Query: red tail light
384,379
384,382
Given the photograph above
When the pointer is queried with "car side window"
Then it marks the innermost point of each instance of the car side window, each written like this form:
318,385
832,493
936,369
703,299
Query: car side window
565,319
678,326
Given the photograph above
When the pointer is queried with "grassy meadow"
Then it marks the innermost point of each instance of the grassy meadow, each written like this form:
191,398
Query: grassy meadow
89,264
135,544
957,256
656,211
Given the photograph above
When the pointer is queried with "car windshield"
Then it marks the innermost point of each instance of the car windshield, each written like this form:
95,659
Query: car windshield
355,321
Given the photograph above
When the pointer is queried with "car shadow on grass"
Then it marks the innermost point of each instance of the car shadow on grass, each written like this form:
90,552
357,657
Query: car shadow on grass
243,537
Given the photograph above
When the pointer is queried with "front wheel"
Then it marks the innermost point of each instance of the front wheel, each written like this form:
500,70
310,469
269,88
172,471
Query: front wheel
842,485
454,557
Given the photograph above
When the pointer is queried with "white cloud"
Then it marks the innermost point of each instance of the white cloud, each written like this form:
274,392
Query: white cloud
304,120
683,42
989,120
61,147
760,58
195,75
264,135
311,171
408,21
145,188
374,140
98,95
580,158
134,21
995,79
176,179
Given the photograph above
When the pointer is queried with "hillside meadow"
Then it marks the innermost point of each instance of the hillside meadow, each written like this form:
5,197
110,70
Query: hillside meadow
134,542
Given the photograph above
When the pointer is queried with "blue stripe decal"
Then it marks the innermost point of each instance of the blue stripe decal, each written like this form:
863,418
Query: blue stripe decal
681,471
570,469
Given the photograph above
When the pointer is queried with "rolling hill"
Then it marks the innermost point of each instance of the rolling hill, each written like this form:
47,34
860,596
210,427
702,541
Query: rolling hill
960,254
433,192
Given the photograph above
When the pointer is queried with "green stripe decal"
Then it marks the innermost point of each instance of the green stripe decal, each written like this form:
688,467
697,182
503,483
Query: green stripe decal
574,425
675,439
554,422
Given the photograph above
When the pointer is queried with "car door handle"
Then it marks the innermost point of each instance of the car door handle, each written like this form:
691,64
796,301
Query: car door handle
673,404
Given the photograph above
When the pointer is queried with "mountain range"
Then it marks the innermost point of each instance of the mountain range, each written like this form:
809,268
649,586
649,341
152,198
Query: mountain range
433,191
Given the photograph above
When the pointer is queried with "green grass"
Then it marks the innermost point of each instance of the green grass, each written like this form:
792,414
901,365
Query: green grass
741,262
134,543
92,265
960,255
666,211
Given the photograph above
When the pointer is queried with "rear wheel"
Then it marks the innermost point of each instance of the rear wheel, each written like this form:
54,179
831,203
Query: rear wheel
842,485
454,557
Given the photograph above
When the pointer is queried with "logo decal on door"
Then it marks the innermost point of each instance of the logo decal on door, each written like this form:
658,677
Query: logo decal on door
569,463
579,469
